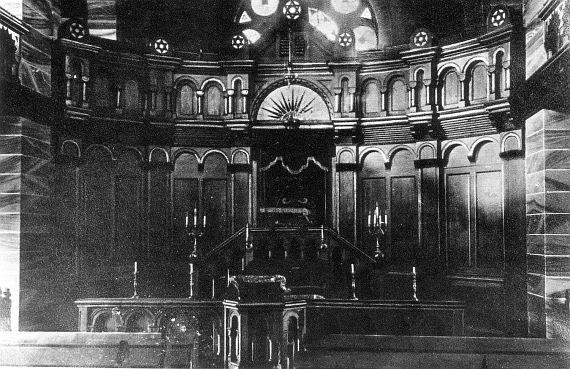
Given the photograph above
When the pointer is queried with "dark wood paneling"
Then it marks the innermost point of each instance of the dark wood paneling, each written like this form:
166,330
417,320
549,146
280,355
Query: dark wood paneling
429,233
215,208
457,219
346,204
241,200
489,224
404,218
127,218
159,222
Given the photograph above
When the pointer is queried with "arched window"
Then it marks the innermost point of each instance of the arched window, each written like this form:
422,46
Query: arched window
499,88
186,100
237,97
478,83
132,101
421,91
345,96
398,100
214,102
371,99
76,82
450,92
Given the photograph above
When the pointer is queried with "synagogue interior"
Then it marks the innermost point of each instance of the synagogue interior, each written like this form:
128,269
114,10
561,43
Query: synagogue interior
285,183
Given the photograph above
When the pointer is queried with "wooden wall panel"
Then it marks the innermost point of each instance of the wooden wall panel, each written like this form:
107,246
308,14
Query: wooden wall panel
489,215
346,204
159,217
185,199
128,218
215,208
240,200
458,213
404,218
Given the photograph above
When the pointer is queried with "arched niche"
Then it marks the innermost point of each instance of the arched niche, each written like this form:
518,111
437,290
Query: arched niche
371,102
132,98
213,99
397,96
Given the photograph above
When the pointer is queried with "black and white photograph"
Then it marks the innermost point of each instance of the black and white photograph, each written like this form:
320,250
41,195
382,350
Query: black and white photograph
285,184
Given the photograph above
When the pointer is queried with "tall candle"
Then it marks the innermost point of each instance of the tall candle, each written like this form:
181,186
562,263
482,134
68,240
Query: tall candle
213,288
322,232
386,218
204,220
191,268
195,216
136,267
413,270
186,220
352,268
247,232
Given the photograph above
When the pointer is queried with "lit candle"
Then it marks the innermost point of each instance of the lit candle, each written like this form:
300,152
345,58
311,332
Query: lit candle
322,232
213,288
191,268
352,268
414,270
369,218
386,218
228,278
136,267
186,220
195,216
204,220
247,232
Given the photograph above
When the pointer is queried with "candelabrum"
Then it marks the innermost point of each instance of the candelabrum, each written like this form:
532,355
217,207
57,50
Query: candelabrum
194,232
377,226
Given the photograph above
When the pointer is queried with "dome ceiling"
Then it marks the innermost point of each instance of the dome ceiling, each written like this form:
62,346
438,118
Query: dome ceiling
210,25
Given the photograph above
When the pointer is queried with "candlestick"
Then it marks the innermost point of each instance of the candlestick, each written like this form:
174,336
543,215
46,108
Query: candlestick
353,282
135,283
191,281
186,223
369,218
195,216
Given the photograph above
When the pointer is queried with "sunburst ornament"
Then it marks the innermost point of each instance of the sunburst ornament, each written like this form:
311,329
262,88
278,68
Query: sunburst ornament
289,109
292,9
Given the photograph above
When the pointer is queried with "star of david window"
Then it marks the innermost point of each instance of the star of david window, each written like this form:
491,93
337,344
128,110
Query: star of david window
292,9
346,23
498,17
345,39
238,42
421,38
77,30
161,46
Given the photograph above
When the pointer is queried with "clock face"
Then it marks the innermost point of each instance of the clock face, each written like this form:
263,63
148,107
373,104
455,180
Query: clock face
264,7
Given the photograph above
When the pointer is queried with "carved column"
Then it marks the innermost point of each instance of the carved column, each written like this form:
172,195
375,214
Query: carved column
337,96
492,86
383,97
68,79
412,94
85,100
230,101
200,97
351,99
244,94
